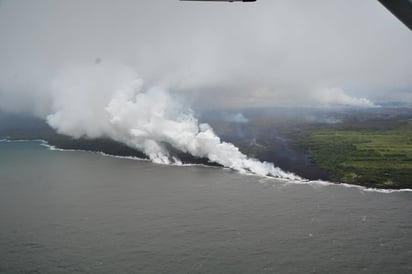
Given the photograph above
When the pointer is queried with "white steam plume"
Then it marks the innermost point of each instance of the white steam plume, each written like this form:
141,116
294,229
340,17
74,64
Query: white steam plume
337,96
104,102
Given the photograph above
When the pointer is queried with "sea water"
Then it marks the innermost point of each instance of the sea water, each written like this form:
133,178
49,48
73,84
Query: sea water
82,212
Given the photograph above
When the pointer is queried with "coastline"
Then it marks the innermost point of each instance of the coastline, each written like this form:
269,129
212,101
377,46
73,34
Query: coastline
47,145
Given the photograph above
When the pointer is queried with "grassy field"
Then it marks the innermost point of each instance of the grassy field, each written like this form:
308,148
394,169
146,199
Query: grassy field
376,157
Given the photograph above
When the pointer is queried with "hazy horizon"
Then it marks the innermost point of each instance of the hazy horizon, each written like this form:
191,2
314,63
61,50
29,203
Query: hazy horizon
262,54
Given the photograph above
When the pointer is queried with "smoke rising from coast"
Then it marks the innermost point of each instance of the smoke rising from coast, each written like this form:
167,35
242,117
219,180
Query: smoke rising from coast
111,101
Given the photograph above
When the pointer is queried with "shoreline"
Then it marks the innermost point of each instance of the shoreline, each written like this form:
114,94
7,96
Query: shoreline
50,147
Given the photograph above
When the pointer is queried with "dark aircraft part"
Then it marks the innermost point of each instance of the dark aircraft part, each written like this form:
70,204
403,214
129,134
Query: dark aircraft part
401,9
222,0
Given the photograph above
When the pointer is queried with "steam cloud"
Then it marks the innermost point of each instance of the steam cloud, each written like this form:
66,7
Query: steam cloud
112,102
337,96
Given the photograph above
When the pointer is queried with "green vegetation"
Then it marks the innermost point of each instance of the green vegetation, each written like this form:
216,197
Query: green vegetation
370,156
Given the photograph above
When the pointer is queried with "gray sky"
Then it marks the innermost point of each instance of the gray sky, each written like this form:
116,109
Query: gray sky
268,53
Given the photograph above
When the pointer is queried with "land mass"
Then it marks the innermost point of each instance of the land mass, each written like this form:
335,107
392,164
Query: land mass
368,153
370,147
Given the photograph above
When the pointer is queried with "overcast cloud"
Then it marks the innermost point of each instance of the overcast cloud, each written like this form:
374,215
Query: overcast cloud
227,55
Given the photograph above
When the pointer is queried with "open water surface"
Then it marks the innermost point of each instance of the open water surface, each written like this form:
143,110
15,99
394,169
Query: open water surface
81,212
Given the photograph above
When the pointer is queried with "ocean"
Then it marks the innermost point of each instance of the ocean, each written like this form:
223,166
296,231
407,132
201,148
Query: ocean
83,212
